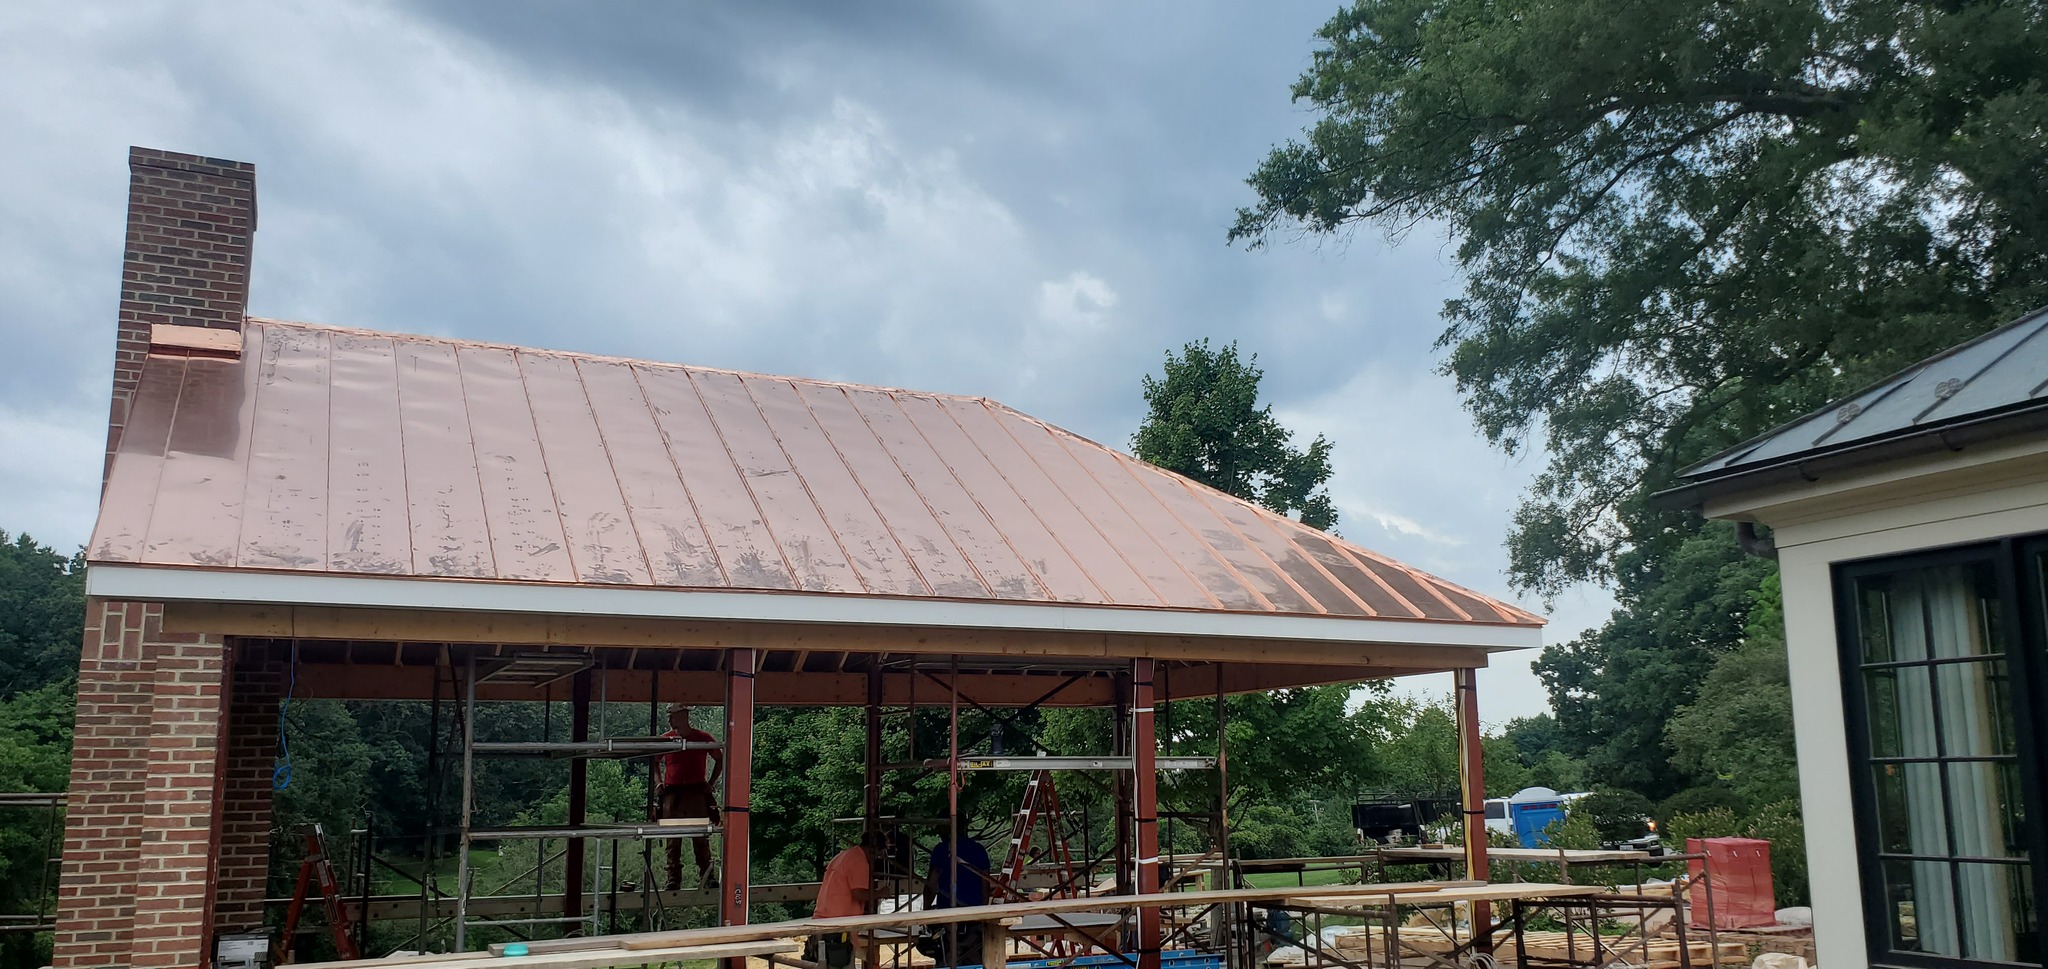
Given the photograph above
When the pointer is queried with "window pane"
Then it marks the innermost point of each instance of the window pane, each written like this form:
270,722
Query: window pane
1943,612
1985,797
1874,612
1901,712
1923,911
1994,904
1910,816
1976,709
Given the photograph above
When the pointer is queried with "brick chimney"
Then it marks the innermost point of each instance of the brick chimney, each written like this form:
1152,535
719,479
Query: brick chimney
190,221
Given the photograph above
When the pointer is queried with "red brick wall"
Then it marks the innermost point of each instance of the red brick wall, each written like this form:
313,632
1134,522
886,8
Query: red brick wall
190,221
257,684
109,758
144,814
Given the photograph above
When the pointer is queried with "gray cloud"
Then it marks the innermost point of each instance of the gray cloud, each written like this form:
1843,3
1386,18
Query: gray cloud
1021,201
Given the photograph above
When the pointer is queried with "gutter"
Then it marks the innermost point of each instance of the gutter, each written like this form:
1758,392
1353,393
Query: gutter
1811,466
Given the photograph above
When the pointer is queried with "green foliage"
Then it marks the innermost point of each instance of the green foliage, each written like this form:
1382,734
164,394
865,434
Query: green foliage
1739,731
1614,688
42,614
1204,421
1542,748
1616,815
1700,799
42,618
1680,223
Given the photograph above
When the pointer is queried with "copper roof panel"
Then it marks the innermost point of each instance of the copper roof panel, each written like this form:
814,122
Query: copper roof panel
130,496
526,527
1104,565
900,508
331,450
369,510
603,543
1227,543
1046,564
198,514
1132,543
732,521
451,533
1379,599
997,565
665,521
288,454
808,545
1225,586
1274,540
871,546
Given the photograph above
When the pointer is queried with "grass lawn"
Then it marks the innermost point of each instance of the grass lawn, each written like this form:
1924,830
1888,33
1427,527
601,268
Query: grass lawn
1285,879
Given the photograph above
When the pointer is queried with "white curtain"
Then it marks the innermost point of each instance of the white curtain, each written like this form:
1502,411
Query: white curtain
1936,613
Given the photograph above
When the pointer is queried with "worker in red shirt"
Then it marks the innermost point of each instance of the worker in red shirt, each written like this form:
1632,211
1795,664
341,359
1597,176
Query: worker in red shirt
685,781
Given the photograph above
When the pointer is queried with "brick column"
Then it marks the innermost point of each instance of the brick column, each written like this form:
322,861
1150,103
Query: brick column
103,820
144,824
256,686
174,880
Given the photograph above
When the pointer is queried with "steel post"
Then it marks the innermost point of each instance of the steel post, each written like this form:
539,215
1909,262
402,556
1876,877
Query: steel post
1145,801
579,776
1472,791
739,776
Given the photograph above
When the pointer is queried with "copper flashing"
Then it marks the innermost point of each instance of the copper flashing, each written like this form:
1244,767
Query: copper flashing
179,340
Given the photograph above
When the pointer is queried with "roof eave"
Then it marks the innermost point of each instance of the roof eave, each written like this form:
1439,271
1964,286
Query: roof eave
204,585
1808,467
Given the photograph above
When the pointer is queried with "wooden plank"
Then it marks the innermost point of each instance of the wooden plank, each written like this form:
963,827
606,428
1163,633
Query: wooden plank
1484,893
978,913
606,958
456,958
1431,854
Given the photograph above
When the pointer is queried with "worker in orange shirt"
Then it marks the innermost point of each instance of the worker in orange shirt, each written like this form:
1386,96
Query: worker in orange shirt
685,779
846,888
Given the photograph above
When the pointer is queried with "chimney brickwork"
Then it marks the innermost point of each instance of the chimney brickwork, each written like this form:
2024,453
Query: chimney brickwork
190,223
165,799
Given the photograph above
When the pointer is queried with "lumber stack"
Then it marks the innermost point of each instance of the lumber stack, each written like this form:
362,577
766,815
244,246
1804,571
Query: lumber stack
1369,947
1659,954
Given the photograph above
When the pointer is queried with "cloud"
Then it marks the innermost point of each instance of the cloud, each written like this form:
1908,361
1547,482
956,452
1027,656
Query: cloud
1025,202
1076,304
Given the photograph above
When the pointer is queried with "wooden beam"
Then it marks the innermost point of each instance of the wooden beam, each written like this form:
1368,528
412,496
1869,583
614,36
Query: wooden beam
344,623
341,682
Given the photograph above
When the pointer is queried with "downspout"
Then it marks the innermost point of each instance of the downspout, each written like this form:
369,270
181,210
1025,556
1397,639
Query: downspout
1761,546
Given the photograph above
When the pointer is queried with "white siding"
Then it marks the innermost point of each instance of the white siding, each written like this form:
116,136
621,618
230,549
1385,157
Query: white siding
1888,512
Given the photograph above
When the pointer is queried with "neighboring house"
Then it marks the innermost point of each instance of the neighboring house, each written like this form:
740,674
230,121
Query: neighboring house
1910,524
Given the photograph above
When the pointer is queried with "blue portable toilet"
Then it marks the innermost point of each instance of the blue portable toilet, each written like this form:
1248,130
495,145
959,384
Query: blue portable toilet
1532,810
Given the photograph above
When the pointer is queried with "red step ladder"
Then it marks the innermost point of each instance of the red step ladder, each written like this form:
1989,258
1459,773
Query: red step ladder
317,870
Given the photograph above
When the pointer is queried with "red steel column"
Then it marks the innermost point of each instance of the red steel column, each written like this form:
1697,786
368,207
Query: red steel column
573,858
739,783
871,799
1145,798
1472,788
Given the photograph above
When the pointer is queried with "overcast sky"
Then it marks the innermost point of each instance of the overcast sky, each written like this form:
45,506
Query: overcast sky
1021,201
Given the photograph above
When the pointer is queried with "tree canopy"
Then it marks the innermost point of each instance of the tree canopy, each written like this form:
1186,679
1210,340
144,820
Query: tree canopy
1680,223
1203,420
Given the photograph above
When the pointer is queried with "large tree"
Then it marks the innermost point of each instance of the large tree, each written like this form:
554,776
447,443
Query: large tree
1203,420
1680,223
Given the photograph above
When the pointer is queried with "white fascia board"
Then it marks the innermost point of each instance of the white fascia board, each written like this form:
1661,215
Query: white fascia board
156,584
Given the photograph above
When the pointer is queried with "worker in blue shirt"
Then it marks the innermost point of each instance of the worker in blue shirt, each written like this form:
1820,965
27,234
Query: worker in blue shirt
957,878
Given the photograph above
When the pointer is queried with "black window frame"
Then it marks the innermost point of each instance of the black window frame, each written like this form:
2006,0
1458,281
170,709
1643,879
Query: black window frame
2014,561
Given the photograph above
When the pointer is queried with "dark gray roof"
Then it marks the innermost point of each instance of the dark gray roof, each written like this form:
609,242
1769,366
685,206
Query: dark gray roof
2002,373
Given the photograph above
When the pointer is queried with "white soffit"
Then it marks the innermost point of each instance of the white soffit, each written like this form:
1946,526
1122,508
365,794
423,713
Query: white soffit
326,590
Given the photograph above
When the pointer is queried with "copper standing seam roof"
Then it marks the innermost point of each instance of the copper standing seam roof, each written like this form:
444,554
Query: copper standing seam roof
341,451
